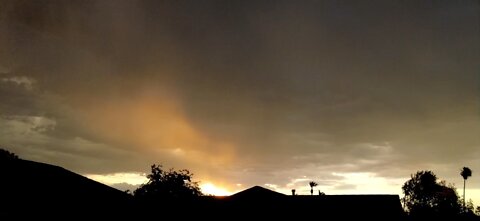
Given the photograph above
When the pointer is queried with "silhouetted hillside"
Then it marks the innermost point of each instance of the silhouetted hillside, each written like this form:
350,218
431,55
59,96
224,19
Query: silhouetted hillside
36,189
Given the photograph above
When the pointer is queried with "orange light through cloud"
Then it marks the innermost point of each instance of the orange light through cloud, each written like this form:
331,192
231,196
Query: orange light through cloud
210,189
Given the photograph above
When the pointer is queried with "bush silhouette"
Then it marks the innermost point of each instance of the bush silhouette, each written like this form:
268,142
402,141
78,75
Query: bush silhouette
7,156
167,185
426,197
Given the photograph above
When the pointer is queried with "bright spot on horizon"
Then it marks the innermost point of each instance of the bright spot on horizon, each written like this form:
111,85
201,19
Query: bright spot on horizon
210,189
369,183
115,178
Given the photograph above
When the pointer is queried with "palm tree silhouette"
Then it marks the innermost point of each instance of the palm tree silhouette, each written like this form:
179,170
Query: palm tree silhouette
312,184
466,172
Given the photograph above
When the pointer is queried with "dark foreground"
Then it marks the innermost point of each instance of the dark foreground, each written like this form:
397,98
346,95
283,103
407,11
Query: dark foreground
31,190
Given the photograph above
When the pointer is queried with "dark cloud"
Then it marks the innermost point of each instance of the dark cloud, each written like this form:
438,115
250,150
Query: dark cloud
252,92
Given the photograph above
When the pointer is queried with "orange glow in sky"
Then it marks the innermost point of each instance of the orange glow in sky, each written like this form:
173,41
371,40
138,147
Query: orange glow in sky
154,123
211,189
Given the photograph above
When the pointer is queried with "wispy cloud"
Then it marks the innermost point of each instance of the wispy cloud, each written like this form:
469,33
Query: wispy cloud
23,81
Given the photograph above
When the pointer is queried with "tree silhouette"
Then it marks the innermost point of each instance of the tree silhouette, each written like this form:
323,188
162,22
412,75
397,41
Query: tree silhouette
465,173
7,155
425,197
312,184
168,184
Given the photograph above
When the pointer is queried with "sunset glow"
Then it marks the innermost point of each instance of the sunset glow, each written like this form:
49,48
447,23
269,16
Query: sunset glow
129,178
210,189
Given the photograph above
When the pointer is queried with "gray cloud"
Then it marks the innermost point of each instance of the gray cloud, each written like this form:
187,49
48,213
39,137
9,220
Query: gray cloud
125,186
345,187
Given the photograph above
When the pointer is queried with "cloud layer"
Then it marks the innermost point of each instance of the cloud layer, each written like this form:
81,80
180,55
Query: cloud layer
244,93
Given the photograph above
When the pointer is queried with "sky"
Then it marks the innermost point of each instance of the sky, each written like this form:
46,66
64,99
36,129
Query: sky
355,95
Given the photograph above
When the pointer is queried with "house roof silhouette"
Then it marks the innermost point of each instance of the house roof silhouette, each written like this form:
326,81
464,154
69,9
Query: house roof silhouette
33,187
256,192
267,203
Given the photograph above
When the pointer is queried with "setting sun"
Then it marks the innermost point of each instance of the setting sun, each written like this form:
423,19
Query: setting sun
210,189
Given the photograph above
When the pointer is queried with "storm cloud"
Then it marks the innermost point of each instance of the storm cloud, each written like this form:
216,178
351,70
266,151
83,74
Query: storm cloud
243,92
